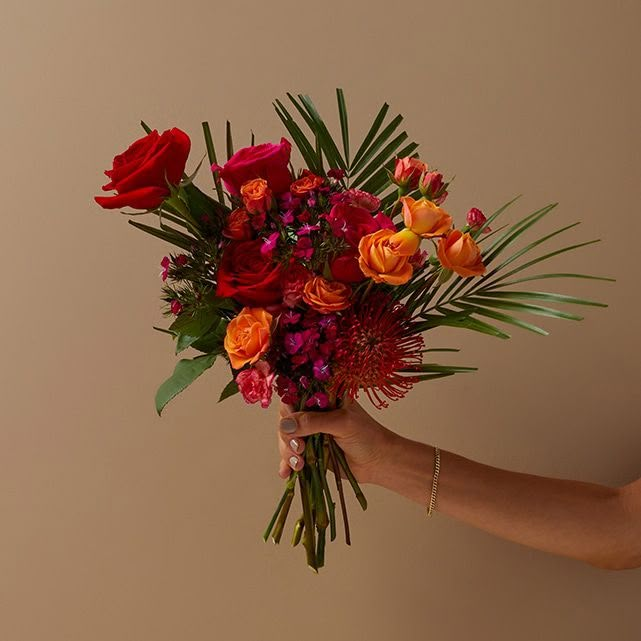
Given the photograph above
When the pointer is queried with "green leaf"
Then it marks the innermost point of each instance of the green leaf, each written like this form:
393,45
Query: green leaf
522,307
377,143
373,130
342,115
229,140
504,318
145,126
477,232
434,368
230,389
174,238
211,154
547,296
462,320
300,140
380,159
526,279
185,373
319,128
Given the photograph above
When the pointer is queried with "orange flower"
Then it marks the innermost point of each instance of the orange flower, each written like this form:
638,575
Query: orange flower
425,218
237,226
379,262
257,196
458,252
326,296
307,182
248,336
404,242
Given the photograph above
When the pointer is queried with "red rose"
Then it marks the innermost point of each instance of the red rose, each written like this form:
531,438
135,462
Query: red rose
267,161
345,268
248,276
138,174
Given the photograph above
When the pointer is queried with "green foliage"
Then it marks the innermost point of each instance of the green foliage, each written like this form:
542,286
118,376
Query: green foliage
185,373
229,390
369,169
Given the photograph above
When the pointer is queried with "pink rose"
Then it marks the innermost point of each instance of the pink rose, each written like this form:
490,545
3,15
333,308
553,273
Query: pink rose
476,219
433,187
407,172
255,383
267,161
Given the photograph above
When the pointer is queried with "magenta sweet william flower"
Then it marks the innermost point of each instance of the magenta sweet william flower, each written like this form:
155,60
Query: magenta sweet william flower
287,390
269,244
293,342
318,399
304,248
164,263
290,317
255,384
476,219
321,370
176,307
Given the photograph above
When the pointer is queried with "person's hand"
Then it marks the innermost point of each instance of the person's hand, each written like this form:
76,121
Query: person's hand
364,441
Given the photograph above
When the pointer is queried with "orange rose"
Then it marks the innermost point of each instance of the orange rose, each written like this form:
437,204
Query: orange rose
458,252
248,336
307,182
237,226
326,296
404,242
379,262
257,196
425,218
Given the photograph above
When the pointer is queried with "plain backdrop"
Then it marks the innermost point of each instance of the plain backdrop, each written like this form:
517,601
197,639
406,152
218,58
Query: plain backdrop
117,525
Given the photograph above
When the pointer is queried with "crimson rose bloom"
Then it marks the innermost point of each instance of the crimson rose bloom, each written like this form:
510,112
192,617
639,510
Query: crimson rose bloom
138,174
248,276
266,161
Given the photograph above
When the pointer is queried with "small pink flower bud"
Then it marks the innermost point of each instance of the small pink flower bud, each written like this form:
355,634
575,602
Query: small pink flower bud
476,219
407,172
433,187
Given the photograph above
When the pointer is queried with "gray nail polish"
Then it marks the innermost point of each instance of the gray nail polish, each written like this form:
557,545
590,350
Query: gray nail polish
288,425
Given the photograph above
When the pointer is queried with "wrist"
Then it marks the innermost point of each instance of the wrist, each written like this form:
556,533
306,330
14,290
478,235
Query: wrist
406,468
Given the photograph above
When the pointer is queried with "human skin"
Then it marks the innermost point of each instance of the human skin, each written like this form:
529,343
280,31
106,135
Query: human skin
593,523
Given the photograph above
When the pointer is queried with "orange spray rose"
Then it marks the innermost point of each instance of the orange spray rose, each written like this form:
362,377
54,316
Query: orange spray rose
326,296
256,195
248,336
425,218
458,252
378,261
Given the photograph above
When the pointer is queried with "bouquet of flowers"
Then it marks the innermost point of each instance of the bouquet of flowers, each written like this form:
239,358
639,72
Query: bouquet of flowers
321,282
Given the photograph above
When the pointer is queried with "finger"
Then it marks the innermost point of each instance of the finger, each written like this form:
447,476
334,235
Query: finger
293,443
294,461
284,470
306,423
285,409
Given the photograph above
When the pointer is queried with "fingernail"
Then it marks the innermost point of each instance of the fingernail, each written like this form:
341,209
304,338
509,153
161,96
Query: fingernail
288,425
294,444
293,461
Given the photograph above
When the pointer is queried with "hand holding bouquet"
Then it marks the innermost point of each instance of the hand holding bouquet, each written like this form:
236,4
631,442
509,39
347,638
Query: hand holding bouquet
319,283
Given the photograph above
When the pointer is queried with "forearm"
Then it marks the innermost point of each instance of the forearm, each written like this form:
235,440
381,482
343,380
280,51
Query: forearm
579,520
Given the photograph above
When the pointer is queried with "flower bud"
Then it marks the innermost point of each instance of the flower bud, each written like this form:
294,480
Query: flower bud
433,187
407,172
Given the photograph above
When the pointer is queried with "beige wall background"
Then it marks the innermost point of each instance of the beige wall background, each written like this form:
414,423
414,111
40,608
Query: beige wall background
116,525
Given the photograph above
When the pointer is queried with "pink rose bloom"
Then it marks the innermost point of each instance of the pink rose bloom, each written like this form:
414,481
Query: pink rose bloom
255,384
268,161
293,283
407,172
476,219
433,187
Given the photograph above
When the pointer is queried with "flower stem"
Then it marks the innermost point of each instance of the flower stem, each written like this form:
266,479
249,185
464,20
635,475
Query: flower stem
282,518
350,477
339,487
308,533
289,489
331,506
298,531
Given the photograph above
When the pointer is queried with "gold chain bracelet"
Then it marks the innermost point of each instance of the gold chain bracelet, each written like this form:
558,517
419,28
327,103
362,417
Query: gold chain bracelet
431,507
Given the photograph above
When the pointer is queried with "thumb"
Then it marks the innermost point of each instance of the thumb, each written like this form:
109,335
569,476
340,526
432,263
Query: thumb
306,423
